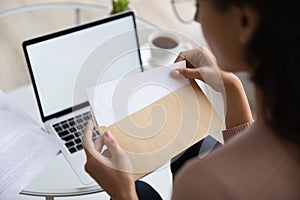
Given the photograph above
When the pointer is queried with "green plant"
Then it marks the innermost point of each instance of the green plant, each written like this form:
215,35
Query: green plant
120,5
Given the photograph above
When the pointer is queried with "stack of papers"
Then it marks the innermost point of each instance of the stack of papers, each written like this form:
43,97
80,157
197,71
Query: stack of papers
25,149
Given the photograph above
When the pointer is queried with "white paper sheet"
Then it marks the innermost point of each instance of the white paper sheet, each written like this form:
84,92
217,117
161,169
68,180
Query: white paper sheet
25,149
118,99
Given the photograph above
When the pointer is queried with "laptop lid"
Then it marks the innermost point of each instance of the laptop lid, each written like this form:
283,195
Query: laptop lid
63,64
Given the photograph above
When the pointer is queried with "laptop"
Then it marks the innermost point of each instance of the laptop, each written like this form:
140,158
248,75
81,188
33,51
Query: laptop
62,65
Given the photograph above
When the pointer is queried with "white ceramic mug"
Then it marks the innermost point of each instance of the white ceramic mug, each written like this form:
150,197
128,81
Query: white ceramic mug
166,45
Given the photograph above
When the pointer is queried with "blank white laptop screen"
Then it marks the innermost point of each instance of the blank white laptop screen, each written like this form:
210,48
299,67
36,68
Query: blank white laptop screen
64,65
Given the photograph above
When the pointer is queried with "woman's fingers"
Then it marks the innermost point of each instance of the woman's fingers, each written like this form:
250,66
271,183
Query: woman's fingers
179,58
111,143
189,73
99,143
182,57
197,58
90,147
88,136
119,158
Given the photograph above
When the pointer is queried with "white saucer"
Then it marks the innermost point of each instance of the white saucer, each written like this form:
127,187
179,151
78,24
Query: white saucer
150,62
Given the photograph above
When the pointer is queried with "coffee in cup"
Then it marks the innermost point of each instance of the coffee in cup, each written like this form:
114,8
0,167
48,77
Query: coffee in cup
165,46
165,42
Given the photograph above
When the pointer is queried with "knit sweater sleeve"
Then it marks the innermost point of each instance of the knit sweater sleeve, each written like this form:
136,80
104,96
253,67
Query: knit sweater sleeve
230,133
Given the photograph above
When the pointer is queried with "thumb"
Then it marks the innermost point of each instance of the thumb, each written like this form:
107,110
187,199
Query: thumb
190,73
87,137
119,159
111,143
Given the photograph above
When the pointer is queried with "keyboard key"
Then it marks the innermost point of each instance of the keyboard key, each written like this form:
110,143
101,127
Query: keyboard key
86,118
58,128
68,138
86,114
77,134
63,133
84,124
79,120
94,134
70,144
72,123
72,130
79,127
64,122
73,149
55,125
77,141
79,147
65,126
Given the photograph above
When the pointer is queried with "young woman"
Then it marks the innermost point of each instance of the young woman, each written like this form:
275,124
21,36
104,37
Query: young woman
261,37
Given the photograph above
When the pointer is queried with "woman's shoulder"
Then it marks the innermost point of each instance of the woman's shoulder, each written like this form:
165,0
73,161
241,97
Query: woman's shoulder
255,160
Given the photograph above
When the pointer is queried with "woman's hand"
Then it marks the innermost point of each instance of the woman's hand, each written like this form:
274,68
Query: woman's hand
202,65
111,169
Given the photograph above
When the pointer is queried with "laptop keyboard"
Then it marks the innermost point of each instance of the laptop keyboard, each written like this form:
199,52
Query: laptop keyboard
71,131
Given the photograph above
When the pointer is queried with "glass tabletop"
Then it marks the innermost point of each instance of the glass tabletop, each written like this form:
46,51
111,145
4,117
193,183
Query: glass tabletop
22,23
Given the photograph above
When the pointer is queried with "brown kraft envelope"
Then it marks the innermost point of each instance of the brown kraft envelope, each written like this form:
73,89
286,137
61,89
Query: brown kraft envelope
162,130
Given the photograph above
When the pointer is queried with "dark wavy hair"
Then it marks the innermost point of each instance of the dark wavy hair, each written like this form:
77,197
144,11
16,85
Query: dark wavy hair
274,55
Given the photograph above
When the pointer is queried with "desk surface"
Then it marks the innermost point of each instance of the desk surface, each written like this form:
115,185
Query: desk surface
58,178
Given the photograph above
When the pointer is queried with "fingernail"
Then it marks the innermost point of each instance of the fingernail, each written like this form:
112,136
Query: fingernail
175,73
107,134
